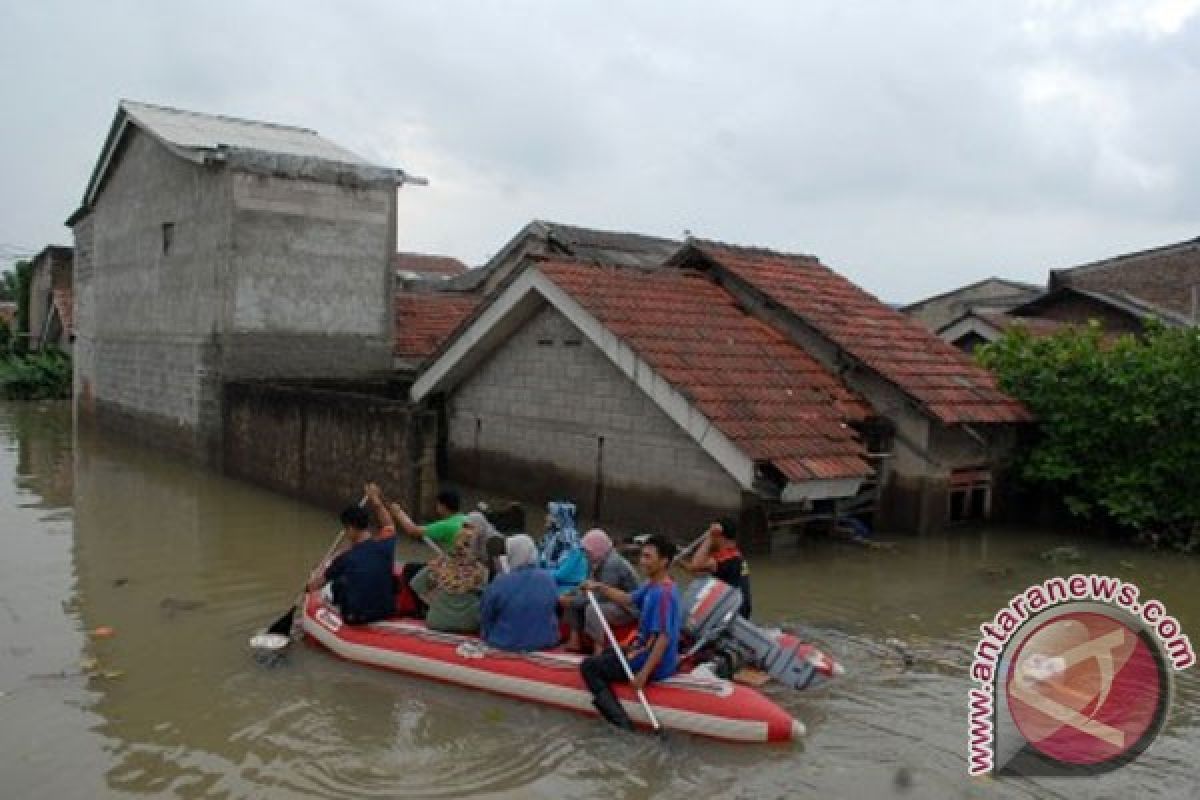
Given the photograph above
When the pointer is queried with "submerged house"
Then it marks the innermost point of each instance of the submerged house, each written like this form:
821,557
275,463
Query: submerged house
718,380
51,299
210,248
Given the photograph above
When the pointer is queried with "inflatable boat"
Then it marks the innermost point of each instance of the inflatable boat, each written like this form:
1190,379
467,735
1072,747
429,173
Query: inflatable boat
696,702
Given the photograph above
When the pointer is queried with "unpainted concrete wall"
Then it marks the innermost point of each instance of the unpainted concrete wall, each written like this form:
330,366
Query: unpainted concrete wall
264,276
145,318
321,445
530,419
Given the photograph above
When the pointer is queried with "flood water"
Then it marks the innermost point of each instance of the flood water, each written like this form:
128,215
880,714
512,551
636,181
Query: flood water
183,565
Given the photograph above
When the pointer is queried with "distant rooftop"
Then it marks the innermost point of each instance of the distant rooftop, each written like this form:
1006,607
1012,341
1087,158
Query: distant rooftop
198,131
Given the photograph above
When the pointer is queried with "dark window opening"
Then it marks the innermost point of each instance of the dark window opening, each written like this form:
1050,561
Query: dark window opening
572,343
970,494
168,236
545,342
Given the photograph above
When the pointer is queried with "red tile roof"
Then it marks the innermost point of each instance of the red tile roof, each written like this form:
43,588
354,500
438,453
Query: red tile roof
766,394
422,264
423,321
944,380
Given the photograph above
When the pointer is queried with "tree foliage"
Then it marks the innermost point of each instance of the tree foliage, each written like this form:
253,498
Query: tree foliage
37,376
1118,434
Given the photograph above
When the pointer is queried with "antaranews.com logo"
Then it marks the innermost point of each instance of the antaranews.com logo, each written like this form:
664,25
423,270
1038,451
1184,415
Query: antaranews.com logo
1072,677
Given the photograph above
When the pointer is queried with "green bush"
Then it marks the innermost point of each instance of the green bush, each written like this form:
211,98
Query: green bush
1118,433
37,376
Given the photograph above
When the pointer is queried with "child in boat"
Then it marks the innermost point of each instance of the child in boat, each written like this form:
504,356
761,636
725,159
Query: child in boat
561,553
718,555
519,607
610,568
360,575
450,585
654,654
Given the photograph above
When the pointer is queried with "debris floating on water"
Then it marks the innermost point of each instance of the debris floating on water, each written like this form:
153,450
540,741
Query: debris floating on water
103,632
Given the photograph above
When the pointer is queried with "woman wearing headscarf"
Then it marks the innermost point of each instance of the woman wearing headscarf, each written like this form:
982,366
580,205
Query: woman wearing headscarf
519,608
606,566
451,584
561,553
488,542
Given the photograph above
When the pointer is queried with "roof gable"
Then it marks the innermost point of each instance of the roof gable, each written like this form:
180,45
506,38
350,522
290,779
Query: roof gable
941,379
744,392
203,138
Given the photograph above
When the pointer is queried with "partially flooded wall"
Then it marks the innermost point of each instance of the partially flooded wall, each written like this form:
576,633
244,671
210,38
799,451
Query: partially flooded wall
320,443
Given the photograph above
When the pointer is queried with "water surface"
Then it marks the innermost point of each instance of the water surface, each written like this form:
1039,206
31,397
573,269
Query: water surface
183,565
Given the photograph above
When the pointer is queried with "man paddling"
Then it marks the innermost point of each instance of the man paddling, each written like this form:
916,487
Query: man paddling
360,575
442,530
718,555
654,654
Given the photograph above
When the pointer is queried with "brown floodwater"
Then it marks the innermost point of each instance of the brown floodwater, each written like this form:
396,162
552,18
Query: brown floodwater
184,565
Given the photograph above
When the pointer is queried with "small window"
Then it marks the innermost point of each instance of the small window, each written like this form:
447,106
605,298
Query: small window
572,342
545,342
168,236
970,494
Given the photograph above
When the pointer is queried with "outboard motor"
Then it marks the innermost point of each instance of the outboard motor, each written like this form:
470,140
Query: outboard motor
712,620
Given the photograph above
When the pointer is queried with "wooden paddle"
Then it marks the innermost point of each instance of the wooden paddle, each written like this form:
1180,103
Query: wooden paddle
283,625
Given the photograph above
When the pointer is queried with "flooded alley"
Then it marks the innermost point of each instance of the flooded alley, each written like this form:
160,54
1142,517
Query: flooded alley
183,565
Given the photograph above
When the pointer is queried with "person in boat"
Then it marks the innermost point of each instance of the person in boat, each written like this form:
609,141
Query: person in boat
451,585
443,529
610,568
519,608
718,555
654,653
488,543
360,575
561,553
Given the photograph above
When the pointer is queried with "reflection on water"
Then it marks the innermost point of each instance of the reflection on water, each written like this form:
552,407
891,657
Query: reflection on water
183,565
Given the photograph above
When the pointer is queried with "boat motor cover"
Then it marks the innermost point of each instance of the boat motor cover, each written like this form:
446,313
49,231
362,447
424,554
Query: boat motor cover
711,608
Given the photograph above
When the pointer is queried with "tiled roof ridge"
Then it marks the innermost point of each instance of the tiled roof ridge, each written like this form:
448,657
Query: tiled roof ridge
808,259
551,227
1149,252
126,103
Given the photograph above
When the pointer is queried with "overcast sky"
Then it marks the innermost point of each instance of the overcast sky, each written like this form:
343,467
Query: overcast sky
914,146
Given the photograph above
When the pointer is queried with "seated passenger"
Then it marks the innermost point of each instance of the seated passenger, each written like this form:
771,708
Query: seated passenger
561,553
519,607
450,585
360,575
487,542
654,655
610,568
718,555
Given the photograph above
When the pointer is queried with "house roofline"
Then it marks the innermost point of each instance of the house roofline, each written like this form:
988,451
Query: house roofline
1033,287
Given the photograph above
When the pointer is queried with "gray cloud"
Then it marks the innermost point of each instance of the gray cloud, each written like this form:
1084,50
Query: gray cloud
914,146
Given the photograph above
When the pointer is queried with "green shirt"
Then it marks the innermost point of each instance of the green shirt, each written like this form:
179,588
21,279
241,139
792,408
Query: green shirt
444,530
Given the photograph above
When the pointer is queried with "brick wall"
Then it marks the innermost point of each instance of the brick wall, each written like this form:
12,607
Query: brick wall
321,444
547,415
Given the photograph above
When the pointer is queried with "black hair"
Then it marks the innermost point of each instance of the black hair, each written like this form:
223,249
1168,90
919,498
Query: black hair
450,499
355,517
662,545
728,528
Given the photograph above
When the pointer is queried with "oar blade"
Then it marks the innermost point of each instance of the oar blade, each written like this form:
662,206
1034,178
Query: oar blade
283,625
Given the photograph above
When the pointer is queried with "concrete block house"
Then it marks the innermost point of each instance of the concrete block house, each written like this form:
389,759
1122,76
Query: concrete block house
51,299
715,380
210,248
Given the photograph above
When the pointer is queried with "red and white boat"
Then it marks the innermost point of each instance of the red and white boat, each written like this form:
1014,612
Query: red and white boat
696,703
